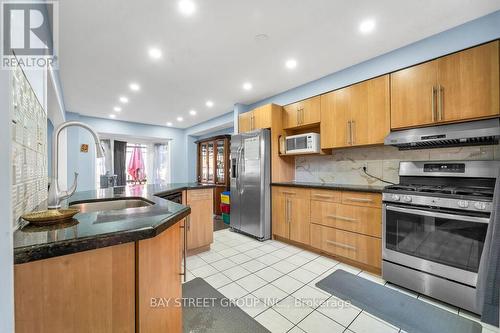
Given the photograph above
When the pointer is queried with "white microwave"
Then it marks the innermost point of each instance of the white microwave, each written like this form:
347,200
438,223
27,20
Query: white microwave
307,143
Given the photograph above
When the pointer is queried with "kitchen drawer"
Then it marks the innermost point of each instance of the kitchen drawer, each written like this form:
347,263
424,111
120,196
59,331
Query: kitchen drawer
363,249
202,194
362,199
363,220
304,193
326,195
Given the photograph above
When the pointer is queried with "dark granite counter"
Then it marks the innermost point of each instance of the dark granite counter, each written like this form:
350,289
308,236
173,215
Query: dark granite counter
332,186
93,230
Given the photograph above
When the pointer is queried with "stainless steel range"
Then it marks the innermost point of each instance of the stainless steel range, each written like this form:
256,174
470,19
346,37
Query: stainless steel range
434,225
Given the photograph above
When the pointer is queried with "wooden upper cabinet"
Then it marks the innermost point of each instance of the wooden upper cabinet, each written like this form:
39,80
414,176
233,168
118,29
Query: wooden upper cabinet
458,87
245,122
302,113
469,83
413,95
334,127
260,117
370,112
356,115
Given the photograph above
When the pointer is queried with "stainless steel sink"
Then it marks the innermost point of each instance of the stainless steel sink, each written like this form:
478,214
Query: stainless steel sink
105,205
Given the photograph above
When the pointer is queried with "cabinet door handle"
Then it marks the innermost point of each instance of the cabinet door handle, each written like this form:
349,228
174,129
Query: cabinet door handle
342,245
348,133
324,196
440,102
359,200
184,250
353,131
433,104
348,219
286,192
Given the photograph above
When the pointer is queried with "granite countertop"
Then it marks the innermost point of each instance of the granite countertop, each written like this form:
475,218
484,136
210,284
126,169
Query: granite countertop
333,186
93,230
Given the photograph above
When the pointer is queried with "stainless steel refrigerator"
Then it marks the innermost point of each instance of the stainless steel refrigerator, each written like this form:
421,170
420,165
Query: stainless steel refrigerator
250,183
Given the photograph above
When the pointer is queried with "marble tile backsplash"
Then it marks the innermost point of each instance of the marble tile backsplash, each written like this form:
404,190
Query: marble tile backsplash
346,166
29,147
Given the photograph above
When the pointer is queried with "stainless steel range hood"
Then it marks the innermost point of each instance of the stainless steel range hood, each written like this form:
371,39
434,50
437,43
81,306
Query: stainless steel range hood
481,132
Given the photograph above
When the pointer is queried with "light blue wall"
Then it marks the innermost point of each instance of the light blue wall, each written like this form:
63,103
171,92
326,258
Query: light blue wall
84,163
472,33
226,131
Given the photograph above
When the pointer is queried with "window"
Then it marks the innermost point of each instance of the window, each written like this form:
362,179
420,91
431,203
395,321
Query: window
151,163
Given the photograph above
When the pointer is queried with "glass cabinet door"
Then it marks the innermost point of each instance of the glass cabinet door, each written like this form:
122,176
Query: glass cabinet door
220,162
204,162
210,162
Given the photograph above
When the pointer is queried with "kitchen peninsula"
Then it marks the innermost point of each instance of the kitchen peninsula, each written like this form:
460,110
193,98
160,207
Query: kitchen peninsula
65,275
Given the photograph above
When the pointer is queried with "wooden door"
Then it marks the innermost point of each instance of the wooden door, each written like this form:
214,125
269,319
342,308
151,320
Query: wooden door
335,114
469,84
370,111
299,210
311,110
280,225
413,95
200,227
245,122
262,117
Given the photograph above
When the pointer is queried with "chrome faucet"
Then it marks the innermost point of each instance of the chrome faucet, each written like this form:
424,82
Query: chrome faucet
55,194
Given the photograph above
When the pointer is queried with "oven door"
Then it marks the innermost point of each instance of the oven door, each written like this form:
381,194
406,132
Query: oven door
441,243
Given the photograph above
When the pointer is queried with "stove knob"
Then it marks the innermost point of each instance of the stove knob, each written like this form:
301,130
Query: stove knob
407,198
395,197
480,205
463,204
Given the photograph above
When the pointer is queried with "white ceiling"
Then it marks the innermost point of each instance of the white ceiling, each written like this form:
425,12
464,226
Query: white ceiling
104,44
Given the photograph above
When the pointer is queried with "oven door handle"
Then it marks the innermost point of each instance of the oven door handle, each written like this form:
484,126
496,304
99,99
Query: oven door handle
440,215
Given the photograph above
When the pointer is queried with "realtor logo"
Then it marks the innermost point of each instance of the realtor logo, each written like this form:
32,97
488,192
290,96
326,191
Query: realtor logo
28,33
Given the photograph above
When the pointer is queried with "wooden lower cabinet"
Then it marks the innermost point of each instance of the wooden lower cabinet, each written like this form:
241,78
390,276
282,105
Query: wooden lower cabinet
200,227
353,246
111,289
344,224
290,213
280,226
363,220
91,291
159,277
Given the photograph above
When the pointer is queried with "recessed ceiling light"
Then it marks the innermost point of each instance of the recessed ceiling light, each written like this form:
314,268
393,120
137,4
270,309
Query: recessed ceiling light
134,86
169,124
247,86
367,26
192,112
123,99
187,7
180,119
291,63
112,116
117,109
154,53
261,37
209,104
